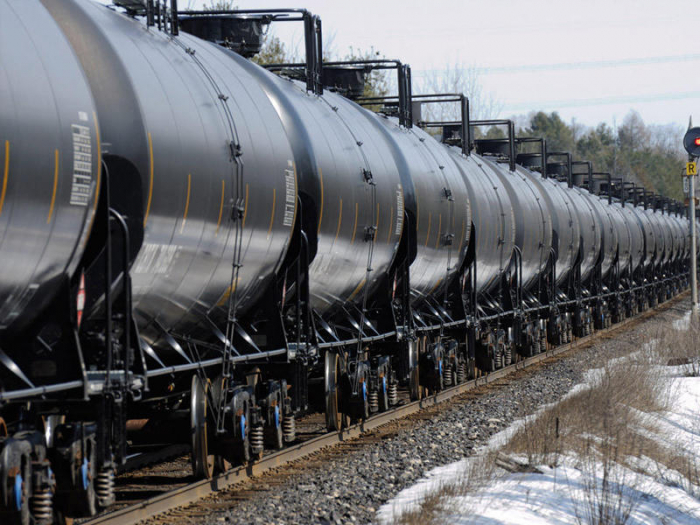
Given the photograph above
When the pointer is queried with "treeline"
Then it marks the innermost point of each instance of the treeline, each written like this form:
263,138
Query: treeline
650,155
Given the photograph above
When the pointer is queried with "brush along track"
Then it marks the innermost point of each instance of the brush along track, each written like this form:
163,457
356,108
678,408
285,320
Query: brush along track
391,422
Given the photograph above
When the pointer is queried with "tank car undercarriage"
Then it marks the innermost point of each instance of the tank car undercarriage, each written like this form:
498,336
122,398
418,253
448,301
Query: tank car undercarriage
212,311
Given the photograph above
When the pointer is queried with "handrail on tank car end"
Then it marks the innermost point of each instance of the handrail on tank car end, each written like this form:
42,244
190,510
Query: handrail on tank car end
542,153
313,38
465,139
567,154
588,173
404,96
607,177
511,135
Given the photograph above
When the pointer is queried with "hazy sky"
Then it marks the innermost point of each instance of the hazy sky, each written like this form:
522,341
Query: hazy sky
592,60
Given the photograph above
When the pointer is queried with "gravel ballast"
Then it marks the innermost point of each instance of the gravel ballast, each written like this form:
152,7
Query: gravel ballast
350,485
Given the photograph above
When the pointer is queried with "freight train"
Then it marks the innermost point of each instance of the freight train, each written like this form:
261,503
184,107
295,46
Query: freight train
189,241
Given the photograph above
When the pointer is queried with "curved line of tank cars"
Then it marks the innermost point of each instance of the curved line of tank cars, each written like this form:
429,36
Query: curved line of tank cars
212,160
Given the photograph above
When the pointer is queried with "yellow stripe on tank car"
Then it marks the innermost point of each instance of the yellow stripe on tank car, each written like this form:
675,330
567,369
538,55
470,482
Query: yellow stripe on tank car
187,202
436,285
320,213
6,174
221,207
245,206
272,213
55,187
150,184
354,228
228,293
357,290
430,220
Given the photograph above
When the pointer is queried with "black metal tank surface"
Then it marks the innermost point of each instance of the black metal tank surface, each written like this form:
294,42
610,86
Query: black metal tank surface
49,161
591,231
533,221
351,190
442,216
215,168
649,236
493,220
624,236
678,237
660,246
566,237
636,254
609,232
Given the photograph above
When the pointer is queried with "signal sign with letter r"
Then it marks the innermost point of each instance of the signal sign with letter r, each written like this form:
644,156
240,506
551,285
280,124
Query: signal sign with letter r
691,168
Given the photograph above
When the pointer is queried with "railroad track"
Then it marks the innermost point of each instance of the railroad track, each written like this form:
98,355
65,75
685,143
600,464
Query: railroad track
191,492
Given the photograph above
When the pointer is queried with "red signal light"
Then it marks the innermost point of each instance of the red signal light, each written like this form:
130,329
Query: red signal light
697,141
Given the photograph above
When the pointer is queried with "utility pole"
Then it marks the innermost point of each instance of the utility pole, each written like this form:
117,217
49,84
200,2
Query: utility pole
691,142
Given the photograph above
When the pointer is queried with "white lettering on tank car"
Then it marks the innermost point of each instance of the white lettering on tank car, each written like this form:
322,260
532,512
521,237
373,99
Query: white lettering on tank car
155,258
399,210
82,166
290,195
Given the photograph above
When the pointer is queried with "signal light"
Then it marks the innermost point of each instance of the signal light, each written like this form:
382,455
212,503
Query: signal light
691,142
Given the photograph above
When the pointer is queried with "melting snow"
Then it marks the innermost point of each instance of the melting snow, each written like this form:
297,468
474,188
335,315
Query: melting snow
560,495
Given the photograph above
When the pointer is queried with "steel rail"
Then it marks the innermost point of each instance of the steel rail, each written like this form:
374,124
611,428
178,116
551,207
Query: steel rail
199,489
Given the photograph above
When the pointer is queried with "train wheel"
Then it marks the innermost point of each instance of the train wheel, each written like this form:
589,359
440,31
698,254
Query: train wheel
221,461
83,501
243,453
414,351
331,375
274,434
17,490
383,394
202,460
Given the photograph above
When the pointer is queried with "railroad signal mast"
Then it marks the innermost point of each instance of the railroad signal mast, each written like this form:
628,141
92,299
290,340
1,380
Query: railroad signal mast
691,142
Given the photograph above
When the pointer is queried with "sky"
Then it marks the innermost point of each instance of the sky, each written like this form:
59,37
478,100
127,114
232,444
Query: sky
590,60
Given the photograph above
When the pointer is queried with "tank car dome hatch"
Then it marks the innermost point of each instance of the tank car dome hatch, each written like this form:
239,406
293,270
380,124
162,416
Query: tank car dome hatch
497,147
452,134
242,34
532,161
348,81
558,170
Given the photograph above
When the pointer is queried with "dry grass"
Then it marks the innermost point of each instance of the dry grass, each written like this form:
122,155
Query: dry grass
605,425
683,347
609,410
439,503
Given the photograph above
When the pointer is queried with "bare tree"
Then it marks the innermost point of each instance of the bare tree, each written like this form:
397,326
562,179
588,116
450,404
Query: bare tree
457,78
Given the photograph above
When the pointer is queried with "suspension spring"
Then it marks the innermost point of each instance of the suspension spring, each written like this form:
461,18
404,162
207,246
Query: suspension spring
393,393
257,439
499,360
289,428
508,355
462,373
447,374
104,487
373,401
42,504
